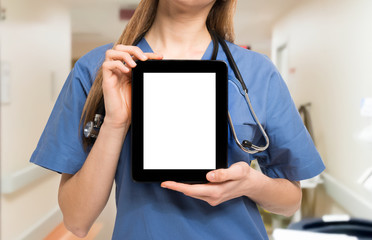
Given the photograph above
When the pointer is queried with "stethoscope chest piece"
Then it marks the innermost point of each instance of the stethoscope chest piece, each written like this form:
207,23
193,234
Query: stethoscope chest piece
91,129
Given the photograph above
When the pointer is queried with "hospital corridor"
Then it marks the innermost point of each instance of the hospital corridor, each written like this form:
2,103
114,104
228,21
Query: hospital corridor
323,52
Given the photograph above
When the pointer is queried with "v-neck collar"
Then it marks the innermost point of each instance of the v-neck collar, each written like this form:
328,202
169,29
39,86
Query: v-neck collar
145,46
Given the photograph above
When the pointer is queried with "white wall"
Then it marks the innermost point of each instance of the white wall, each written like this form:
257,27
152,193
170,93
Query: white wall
254,19
36,46
330,56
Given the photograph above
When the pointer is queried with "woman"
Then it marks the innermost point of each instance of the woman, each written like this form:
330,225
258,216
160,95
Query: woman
225,208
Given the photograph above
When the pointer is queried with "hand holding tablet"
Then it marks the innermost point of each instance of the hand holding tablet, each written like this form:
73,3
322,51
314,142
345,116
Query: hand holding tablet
179,119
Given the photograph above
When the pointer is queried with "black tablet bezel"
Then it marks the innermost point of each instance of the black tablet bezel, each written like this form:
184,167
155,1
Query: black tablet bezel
173,66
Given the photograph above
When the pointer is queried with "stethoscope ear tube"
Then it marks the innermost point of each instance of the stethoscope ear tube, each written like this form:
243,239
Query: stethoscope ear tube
231,60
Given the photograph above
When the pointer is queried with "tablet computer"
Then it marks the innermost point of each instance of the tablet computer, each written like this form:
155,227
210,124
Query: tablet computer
179,119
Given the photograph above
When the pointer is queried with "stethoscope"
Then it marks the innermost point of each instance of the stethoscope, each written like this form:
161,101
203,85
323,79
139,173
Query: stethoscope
91,129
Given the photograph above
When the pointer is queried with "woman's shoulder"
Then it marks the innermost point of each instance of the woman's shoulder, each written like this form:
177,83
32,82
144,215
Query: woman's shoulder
89,64
95,55
249,57
256,67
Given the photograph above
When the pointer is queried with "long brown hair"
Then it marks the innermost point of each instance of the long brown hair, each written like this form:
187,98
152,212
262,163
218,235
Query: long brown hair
220,20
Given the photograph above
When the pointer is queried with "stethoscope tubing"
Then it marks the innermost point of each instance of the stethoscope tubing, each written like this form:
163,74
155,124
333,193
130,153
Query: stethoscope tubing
253,148
92,128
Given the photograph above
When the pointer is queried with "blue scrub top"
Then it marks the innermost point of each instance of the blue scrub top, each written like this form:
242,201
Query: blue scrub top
147,211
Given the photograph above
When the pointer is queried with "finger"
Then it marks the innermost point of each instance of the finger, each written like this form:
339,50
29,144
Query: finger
154,56
234,172
132,50
192,190
115,65
123,56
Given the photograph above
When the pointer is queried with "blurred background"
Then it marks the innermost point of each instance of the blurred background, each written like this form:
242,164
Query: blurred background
321,47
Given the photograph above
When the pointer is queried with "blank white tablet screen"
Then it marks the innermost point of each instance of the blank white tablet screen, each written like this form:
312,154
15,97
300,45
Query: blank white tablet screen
179,120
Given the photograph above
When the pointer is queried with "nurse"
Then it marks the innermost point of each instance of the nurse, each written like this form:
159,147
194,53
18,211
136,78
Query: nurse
225,208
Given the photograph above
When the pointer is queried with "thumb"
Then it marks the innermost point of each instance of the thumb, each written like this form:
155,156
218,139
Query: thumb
236,171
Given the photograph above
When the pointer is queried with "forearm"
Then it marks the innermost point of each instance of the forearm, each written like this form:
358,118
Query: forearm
83,196
276,195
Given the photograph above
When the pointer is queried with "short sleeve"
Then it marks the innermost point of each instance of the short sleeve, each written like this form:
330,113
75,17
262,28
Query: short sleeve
60,146
291,154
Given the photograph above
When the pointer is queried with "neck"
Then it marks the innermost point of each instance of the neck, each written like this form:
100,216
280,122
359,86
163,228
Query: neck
178,33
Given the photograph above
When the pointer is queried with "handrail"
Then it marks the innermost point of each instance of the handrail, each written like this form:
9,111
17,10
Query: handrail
22,178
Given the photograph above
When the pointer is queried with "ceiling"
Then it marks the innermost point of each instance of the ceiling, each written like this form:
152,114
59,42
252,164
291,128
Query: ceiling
98,20
254,21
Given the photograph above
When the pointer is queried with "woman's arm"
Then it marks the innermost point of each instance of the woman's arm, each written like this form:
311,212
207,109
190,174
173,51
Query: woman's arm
83,196
279,196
